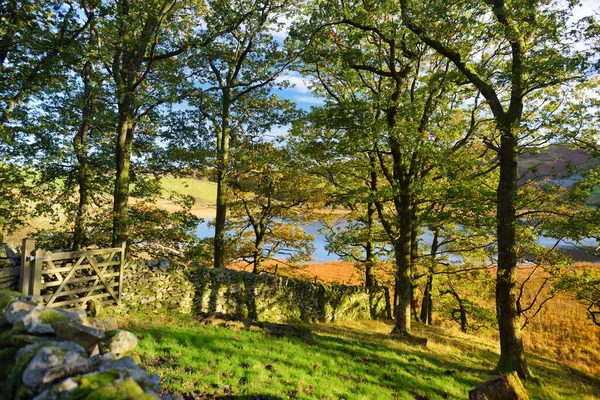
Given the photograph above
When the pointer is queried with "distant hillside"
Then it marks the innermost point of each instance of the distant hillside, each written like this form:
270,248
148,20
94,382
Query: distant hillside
553,163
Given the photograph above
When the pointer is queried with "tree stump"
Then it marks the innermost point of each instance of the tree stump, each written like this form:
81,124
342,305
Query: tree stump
505,387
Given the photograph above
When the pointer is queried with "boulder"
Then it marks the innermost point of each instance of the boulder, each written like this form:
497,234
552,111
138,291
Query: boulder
41,321
17,310
53,361
118,343
85,336
505,387
127,367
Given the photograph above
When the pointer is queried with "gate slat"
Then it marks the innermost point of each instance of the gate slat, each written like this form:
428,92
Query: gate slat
81,290
77,254
93,263
78,280
62,285
75,301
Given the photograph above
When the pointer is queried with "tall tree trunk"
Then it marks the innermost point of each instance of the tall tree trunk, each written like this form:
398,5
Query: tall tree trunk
257,253
371,210
427,304
370,246
403,273
512,354
129,71
414,254
124,147
222,166
80,145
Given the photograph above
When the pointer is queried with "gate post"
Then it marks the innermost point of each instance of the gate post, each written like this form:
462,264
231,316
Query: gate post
27,248
36,273
121,267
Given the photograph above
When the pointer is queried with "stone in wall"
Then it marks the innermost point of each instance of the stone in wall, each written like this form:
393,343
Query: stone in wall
51,354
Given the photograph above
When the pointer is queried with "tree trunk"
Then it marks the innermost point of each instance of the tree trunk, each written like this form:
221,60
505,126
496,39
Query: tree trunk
222,166
124,147
403,273
371,210
370,247
80,145
427,304
512,355
257,254
414,254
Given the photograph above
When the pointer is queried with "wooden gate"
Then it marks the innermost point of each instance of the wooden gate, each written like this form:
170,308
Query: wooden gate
71,279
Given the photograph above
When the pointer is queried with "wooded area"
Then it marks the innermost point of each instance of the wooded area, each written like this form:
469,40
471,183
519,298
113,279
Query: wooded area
424,111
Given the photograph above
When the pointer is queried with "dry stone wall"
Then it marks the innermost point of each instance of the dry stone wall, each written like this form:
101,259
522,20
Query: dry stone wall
280,299
10,265
159,286
51,354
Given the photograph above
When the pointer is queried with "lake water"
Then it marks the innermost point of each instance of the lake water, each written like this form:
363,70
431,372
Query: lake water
321,255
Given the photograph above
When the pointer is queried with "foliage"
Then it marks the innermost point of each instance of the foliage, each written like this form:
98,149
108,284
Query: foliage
271,199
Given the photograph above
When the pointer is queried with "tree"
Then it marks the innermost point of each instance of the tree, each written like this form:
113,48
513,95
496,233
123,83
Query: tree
236,71
508,51
34,39
391,98
271,200
350,167
143,66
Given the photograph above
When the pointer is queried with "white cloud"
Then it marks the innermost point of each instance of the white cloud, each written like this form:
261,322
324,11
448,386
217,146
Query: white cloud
300,84
309,99
281,29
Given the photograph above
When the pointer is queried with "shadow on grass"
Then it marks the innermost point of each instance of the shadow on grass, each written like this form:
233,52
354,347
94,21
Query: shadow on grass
336,361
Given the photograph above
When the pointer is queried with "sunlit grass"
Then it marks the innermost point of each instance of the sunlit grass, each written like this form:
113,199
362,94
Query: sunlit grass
204,192
353,360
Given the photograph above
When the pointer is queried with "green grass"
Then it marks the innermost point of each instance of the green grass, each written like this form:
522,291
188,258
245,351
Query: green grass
338,361
202,191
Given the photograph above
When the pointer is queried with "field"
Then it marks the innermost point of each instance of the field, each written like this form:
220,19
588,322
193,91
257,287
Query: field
360,360
561,331
356,360
203,192
353,360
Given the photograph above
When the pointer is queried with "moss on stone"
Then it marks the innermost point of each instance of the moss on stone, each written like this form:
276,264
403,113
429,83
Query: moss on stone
5,339
13,387
7,297
96,380
104,387
52,317
134,355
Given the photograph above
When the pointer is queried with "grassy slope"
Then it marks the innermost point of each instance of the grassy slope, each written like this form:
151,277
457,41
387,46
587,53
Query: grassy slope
354,360
203,192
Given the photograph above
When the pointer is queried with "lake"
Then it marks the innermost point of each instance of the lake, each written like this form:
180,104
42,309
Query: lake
321,255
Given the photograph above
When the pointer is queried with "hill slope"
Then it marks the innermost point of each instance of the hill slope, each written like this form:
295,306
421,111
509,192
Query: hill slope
353,360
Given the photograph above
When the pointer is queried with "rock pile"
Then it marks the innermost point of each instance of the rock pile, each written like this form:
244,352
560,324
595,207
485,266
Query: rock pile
56,354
